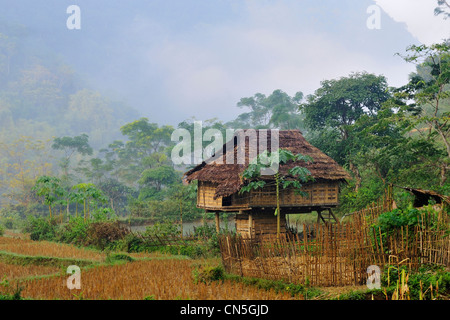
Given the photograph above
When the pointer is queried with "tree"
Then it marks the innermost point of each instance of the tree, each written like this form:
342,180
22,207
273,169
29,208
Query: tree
278,110
131,158
154,179
117,192
335,107
50,188
423,103
443,8
95,169
88,193
22,161
69,145
294,178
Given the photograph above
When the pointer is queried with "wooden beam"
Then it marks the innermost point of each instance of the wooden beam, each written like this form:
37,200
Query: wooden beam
250,224
332,214
217,223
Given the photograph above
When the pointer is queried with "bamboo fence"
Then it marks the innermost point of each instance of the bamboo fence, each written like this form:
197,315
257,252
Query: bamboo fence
337,254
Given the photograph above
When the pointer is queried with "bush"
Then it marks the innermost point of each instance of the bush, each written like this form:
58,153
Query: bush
75,231
41,228
409,217
207,273
419,282
2,230
395,219
163,229
103,234
205,231
118,257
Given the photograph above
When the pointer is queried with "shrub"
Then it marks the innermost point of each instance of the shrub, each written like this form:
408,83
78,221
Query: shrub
207,273
163,229
419,282
205,231
118,257
102,234
41,228
75,231
2,230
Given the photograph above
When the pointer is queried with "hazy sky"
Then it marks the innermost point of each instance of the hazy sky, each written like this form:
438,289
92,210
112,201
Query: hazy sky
174,59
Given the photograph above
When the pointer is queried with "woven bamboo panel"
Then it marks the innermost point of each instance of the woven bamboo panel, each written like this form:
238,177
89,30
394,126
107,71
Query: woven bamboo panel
240,199
318,194
261,224
205,195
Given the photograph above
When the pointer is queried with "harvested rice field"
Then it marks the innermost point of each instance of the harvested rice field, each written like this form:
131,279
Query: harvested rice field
46,248
158,280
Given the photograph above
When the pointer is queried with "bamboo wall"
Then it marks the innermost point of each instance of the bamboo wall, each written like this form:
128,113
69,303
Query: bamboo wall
259,225
319,194
205,195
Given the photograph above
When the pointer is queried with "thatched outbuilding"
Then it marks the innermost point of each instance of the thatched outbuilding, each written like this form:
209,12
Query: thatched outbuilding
220,180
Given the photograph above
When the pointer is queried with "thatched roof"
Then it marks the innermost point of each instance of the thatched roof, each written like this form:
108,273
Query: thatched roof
421,196
228,176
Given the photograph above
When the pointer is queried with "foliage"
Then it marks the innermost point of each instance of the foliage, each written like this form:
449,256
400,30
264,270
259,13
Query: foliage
49,188
41,228
102,234
88,194
278,110
339,110
394,220
163,229
443,9
295,176
75,231
208,273
78,144
429,282
294,290
407,218
23,160
423,102
7,292
118,257
370,191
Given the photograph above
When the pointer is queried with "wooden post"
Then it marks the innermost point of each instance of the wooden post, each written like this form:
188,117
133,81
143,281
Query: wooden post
278,205
181,219
332,214
250,225
217,223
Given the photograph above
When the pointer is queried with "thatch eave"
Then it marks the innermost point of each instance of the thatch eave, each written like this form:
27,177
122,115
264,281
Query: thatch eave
229,176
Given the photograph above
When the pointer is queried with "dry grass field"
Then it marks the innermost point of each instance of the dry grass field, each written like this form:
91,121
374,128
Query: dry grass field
28,247
158,279
11,272
151,275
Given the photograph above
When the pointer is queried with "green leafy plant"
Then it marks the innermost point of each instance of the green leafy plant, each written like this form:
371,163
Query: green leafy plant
49,188
208,273
293,179
41,229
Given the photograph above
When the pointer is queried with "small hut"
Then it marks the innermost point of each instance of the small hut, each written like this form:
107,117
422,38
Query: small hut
220,179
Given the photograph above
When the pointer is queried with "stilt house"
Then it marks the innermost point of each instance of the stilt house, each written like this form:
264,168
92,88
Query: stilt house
220,179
